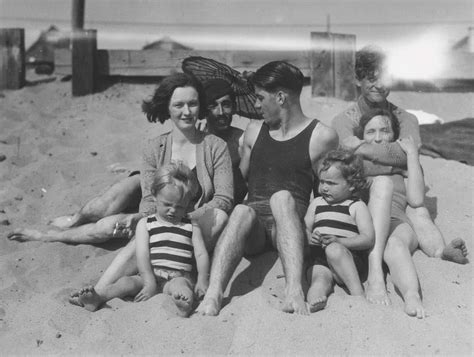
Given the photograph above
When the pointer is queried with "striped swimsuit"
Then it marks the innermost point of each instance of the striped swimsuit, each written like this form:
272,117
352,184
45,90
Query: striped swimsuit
171,248
334,219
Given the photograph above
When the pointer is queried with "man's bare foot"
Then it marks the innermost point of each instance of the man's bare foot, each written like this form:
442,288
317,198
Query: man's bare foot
209,306
87,298
456,252
184,300
376,293
62,222
25,235
413,306
294,303
317,304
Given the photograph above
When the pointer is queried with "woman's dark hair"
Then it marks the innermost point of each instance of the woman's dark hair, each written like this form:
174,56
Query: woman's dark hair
368,60
365,118
350,165
156,109
278,75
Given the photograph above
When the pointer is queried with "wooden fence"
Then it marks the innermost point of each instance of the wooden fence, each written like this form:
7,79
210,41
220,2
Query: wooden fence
329,63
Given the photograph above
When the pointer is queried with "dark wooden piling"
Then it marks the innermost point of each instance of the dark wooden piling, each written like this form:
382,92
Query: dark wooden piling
12,58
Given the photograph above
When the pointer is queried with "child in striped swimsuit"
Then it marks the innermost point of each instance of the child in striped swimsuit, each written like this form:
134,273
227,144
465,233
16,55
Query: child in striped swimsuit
339,228
167,245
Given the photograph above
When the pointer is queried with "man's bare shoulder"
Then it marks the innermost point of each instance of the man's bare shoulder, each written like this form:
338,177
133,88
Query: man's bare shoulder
324,133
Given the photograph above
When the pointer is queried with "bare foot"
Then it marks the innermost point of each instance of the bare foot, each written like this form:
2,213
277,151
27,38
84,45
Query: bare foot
209,306
413,306
376,293
294,303
87,298
317,304
184,300
456,252
25,235
62,222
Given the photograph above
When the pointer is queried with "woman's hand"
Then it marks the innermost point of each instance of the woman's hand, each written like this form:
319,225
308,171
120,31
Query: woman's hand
408,145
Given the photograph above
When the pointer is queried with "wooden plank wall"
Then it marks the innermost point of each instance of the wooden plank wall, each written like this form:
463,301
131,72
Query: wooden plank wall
163,63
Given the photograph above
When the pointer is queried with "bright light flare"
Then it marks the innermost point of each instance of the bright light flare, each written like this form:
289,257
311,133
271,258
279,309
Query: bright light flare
422,58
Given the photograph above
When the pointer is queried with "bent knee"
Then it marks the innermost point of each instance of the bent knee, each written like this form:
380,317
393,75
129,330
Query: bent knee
243,212
282,199
336,251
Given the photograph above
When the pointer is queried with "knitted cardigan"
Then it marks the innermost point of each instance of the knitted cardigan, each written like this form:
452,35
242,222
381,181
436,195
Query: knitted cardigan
213,167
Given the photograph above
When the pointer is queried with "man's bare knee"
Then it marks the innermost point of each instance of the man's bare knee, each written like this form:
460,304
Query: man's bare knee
242,213
282,200
418,213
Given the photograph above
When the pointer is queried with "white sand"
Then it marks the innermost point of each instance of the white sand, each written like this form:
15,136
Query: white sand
58,150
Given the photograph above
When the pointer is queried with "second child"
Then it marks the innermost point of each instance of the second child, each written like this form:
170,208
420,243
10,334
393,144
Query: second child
339,228
166,247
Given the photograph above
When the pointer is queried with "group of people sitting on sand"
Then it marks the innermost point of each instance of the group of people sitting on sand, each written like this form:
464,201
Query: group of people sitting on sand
334,202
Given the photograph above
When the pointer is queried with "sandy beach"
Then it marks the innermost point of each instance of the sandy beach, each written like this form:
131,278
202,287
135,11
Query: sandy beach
60,151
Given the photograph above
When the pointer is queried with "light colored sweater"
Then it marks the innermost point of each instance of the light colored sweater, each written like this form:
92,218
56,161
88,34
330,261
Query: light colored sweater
213,167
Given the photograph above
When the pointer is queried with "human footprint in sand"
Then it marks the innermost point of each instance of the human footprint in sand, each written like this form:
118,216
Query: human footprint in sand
165,246
339,229
279,161
373,79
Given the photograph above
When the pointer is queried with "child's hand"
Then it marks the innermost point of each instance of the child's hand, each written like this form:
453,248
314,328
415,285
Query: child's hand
315,238
408,145
327,239
201,287
147,292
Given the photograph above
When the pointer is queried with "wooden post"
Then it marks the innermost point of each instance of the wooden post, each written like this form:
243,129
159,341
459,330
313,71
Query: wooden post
84,49
12,58
78,7
332,65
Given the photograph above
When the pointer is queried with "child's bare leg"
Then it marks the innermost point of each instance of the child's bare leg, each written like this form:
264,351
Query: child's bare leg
113,201
91,233
381,191
341,262
431,240
91,300
124,264
181,290
322,284
400,246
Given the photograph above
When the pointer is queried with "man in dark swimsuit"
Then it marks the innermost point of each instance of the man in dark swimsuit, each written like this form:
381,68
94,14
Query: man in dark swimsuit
279,159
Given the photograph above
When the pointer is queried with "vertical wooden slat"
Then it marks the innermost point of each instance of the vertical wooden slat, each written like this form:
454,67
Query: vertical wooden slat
77,17
84,48
12,58
322,69
344,66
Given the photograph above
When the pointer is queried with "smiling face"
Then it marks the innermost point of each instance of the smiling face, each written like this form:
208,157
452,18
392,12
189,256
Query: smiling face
170,204
379,130
184,107
376,87
219,114
333,187
266,105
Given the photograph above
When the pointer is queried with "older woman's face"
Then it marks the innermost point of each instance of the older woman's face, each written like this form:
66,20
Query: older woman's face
184,107
379,130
